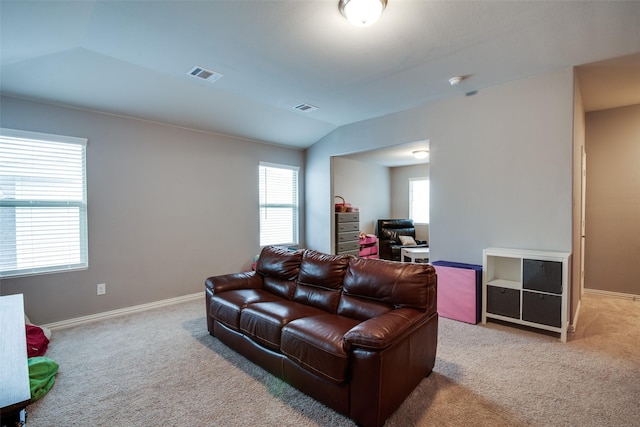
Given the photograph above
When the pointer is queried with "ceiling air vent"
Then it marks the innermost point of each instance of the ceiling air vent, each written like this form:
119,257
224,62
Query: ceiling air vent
204,74
305,107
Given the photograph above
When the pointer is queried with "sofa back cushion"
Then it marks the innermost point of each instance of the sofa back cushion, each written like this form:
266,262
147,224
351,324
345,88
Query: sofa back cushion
279,269
394,283
361,308
320,280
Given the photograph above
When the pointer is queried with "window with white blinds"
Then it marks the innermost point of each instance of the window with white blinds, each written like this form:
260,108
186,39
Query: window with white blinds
43,203
278,204
419,200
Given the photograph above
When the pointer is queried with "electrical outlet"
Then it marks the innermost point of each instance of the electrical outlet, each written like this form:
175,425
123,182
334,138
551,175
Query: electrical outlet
102,288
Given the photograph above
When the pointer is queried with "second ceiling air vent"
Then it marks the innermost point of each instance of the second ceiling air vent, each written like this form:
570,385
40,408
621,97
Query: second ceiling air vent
305,107
204,74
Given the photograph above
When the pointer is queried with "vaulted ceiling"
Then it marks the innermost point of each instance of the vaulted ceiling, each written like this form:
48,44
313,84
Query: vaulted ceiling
133,57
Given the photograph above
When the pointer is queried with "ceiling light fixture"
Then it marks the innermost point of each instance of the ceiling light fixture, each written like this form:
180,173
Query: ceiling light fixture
362,13
454,81
421,154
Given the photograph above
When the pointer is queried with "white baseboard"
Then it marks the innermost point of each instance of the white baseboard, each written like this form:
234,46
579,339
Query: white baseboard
122,311
612,294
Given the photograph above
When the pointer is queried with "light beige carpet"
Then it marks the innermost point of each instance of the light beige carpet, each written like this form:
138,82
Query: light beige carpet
162,368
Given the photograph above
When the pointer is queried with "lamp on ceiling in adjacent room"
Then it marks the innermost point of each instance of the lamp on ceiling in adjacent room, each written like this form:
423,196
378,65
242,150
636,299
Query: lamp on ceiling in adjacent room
421,154
362,13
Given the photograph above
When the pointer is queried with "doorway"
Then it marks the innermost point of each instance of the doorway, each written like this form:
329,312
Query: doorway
376,182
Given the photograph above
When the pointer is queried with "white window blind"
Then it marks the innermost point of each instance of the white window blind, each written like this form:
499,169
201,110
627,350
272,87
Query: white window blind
419,200
43,203
278,204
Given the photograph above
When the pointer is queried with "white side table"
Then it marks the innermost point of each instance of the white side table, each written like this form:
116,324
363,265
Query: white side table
414,253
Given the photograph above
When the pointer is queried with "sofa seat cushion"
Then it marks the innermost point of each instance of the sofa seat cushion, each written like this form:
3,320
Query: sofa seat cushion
263,321
226,306
316,344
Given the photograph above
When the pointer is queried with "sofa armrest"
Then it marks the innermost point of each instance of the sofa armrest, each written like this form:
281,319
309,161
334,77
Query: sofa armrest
381,331
230,282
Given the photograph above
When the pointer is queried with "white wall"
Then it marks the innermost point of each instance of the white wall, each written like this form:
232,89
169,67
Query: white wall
364,185
501,167
167,207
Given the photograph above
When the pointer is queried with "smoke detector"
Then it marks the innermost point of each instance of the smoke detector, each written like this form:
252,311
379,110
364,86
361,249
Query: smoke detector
204,74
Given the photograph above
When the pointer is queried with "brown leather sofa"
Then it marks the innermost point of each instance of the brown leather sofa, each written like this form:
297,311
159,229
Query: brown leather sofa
356,334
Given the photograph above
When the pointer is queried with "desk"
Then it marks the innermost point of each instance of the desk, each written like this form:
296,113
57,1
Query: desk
414,253
15,393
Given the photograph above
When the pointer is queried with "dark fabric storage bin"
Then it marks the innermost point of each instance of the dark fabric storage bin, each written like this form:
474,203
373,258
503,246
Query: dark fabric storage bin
543,276
542,308
503,301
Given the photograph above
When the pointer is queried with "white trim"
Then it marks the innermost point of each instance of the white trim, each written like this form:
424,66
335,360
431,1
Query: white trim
279,166
612,294
122,311
41,137
574,325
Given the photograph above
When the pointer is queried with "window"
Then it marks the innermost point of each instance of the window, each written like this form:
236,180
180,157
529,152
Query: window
43,203
419,200
278,204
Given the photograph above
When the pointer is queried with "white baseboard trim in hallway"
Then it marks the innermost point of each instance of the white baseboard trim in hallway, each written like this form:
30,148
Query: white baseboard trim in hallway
612,294
122,311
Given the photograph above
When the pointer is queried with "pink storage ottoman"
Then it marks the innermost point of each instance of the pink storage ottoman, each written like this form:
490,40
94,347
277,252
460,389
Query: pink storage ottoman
459,291
368,239
368,246
368,250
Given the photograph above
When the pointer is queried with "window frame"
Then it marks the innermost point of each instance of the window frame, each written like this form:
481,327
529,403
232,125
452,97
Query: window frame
410,197
294,206
36,202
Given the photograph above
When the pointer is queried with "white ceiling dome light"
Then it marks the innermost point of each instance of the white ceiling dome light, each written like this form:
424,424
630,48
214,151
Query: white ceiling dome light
455,81
421,154
362,13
